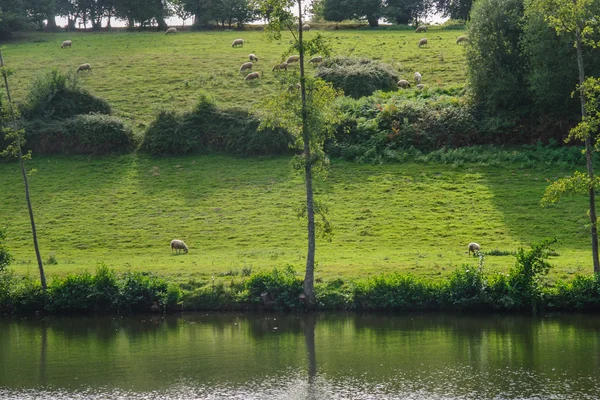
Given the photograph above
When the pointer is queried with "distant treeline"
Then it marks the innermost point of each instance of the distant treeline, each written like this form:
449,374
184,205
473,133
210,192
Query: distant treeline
18,15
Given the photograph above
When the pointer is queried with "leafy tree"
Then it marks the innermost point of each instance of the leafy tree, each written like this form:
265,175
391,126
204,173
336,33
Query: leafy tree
405,11
339,10
307,112
455,9
178,8
15,139
13,17
578,20
496,67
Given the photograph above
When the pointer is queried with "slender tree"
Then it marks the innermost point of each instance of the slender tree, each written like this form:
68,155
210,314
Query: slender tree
307,111
15,149
578,19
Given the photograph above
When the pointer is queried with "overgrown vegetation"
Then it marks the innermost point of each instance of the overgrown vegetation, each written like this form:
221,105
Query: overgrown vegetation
61,117
208,128
357,77
466,289
102,292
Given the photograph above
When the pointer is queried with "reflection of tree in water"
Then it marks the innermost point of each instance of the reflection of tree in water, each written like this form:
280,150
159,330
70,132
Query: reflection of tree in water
309,323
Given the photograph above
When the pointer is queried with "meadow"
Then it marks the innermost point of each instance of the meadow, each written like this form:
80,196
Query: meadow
240,213
140,73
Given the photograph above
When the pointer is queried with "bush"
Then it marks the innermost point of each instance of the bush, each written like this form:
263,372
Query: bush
58,96
465,290
139,291
82,134
279,289
395,292
581,294
28,296
208,128
357,77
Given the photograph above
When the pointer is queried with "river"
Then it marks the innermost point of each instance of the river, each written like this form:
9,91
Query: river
318,356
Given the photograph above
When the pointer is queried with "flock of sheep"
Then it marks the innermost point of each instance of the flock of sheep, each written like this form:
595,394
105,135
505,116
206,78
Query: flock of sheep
178,245
405,84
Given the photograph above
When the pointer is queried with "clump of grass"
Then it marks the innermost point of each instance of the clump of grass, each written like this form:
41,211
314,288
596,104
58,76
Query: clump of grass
496,252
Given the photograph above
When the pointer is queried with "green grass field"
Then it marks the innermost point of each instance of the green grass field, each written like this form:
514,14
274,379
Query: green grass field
141,73
240,212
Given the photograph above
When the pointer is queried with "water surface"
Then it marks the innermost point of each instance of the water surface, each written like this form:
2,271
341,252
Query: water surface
323,356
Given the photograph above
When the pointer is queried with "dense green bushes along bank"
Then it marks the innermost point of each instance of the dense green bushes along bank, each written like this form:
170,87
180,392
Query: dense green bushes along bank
467,289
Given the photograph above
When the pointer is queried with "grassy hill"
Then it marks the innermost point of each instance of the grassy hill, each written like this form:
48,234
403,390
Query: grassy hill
237,213
141,73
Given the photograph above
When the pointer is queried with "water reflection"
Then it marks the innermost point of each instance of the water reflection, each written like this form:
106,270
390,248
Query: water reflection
275,356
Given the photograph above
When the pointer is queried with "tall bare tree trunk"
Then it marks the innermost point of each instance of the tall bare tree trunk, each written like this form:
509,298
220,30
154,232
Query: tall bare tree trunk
589,148
309,277
24,173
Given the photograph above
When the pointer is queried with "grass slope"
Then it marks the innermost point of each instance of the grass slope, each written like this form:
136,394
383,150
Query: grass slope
235,213
141,73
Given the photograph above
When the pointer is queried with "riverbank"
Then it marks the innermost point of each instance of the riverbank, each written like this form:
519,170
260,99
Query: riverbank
467,289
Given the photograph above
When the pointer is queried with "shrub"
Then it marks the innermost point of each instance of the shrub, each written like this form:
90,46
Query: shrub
28,296
334,295
280,288
357,77
581,294
395,292
7,282
82,134
140,290
58,96
208,128
465,289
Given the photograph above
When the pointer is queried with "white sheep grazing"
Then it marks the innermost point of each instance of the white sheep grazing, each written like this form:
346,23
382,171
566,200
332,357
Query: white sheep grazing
171,30
293,59
422,28
403,83
252,57
252,75
473,247
177,245
66,43
281,66
418,77
306,27
462,39
316,60
238,42
422,42
245,66
420,86
84,67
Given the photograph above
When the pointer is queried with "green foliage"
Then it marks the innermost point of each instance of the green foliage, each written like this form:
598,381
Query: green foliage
81,134
140,290
335,295
8,281
28,297
581,294
466,289
58,96
279,289
522,288
496,67
5,256
208,128
395,292
357,77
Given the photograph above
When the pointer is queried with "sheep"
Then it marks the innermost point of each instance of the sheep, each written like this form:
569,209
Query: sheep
171,30
281,66
418,77
252,75
177,245
238,42
306,27
462,39
292,59
420,86
245,66
252,57
84,67
66,43
422,28
422,42
403,83
316,60
473,247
